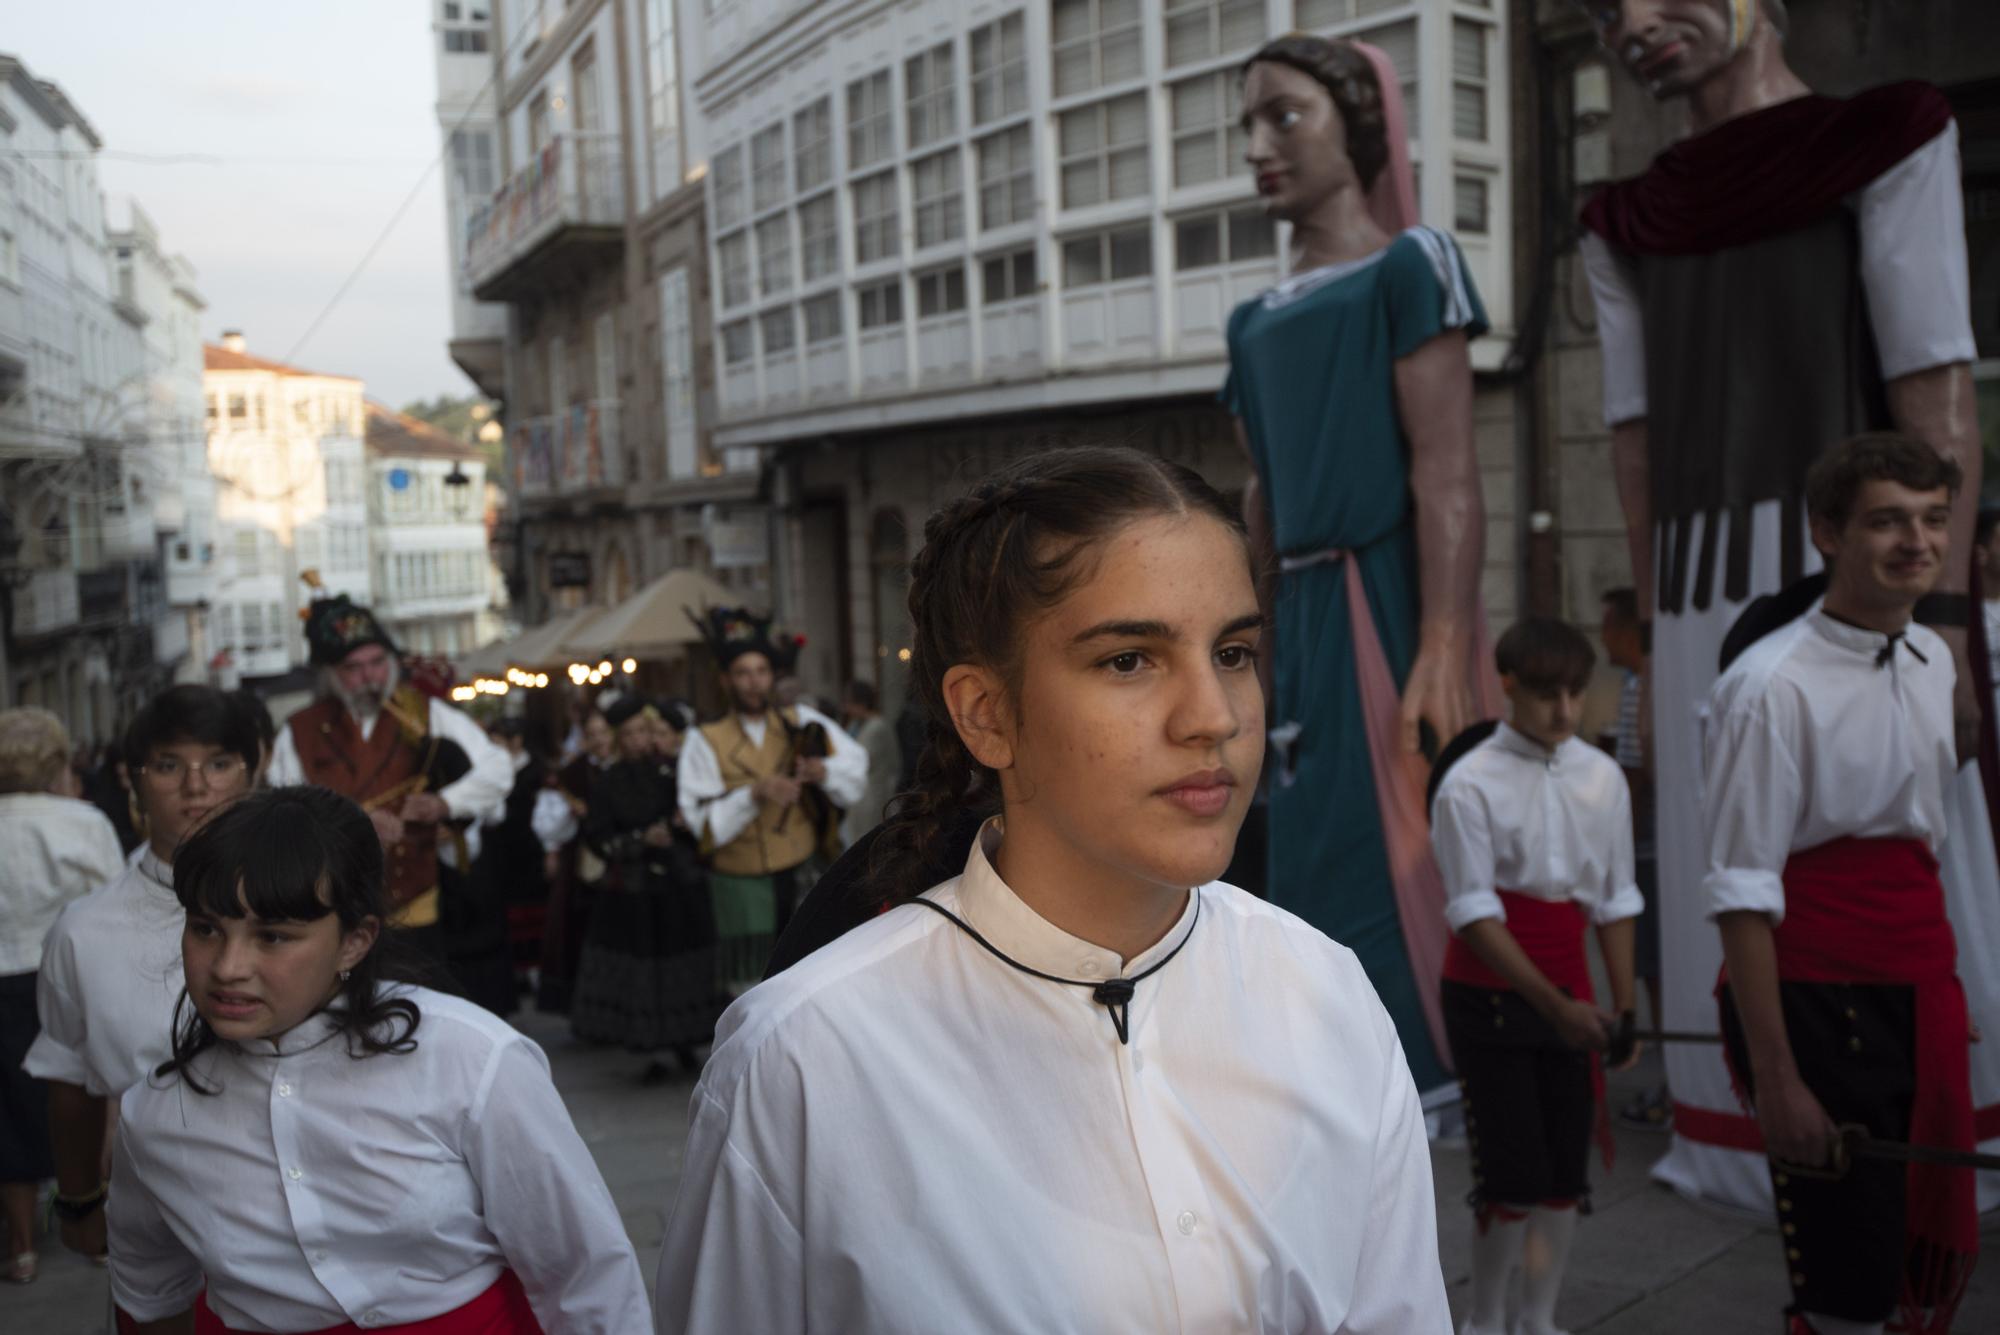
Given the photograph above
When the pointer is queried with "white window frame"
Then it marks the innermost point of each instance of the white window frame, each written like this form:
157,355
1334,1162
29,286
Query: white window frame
726,187
739,342
818,330
1226,142
937,198
878,233
879,305
774,255
819,248
784,318
1009,265
812,146
1006,177
997,56
1234,232
732,264
930,97
936,289
1079,65
871,122
1211,28
1107,243
767,169
1074,155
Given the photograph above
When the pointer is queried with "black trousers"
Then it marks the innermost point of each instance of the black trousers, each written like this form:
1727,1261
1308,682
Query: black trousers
1528,1099
1844,1242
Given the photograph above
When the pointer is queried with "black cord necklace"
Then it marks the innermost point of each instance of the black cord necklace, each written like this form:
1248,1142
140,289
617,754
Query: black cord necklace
1114,994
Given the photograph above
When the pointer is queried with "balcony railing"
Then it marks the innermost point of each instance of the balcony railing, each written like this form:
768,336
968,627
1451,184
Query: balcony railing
46,603
576,181
567,453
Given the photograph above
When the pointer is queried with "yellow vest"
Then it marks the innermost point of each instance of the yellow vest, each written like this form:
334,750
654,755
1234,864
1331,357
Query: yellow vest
763,847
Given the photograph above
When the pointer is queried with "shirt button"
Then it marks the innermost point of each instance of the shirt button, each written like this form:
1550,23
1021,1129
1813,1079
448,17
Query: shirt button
371,1318
319,1257
295,1173
284,1091
1185,1223
1089,969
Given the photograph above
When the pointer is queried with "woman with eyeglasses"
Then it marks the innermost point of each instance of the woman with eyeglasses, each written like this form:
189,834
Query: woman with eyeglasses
111,968
53,849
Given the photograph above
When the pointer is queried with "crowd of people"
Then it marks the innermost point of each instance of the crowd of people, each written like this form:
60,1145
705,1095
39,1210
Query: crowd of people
984,1040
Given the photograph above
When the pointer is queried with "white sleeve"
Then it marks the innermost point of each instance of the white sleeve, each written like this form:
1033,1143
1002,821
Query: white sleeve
484,786
286,770
1621,330
96,858
153,1275
546,1203
1399,1284
707,806
57,1052
1913,261
1463,846
553,820
846,765
1619,897
1750,807
732,1261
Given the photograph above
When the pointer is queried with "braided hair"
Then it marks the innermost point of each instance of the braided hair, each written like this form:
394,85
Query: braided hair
1350,81
1012,547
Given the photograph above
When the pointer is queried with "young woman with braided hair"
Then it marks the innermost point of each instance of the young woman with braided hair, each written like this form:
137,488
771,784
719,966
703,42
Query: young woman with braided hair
1081,1085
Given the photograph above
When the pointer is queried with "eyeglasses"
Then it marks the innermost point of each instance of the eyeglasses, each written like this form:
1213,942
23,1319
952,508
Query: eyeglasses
218,771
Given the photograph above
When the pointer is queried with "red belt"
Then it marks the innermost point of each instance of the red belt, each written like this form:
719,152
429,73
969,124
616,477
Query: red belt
1872,911
501,1310
1550,933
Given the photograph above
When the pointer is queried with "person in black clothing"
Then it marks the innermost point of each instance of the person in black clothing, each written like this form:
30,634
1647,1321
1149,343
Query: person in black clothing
647,976
513,852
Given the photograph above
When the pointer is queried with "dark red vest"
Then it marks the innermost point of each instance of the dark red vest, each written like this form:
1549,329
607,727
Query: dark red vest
380,771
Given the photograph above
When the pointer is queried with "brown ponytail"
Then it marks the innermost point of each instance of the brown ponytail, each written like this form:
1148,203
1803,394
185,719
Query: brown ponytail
991,560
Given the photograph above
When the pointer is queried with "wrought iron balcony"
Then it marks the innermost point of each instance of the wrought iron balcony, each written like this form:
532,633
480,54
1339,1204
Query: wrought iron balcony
558,216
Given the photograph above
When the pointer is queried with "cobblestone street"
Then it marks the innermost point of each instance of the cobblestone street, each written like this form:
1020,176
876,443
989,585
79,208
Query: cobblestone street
1646,1262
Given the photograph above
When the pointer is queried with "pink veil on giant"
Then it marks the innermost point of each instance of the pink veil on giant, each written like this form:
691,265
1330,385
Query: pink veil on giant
1392,200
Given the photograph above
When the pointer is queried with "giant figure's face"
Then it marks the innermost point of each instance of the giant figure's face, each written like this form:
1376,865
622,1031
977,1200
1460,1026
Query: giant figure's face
1672,46
1296,140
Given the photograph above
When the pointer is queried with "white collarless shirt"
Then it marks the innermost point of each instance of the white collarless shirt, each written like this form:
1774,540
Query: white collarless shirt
902,1133
712,809
1808,740
53,851
1556,825
110,980
316,1188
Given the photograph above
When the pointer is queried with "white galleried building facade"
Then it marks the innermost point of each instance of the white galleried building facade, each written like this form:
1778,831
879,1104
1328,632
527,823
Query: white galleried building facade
942,233
99,395
594,243
433,579
285,446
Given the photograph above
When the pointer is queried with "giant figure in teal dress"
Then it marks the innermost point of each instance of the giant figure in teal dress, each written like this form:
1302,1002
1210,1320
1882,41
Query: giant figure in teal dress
1327,370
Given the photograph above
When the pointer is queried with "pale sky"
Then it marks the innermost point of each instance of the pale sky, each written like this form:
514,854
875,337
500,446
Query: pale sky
322,113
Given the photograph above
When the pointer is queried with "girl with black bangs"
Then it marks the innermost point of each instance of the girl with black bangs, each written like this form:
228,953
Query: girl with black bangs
329,1149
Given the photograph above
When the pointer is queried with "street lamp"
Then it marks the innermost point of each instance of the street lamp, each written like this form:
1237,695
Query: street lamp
458,484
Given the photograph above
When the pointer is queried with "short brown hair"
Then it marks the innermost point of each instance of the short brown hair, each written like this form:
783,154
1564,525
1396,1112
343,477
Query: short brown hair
1542,653
1836,477
34,747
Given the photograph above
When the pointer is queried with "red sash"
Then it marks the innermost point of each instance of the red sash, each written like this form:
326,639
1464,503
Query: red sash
1872,911
1550,933
501,1310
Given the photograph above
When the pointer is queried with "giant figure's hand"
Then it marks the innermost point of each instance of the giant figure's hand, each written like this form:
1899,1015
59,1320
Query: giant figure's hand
1438,693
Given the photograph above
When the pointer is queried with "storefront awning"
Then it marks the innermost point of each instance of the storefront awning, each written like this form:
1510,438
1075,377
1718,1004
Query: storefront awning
653,623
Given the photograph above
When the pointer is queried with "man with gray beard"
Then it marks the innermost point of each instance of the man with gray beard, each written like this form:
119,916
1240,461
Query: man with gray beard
412,761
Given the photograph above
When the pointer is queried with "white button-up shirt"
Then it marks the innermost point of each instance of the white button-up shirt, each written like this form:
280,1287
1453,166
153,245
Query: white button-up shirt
701,791
1555,825
903,1133
317,1188
52,850
1808,741
111,976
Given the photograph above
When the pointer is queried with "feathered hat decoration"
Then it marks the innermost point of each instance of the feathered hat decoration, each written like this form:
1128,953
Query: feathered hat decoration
731,632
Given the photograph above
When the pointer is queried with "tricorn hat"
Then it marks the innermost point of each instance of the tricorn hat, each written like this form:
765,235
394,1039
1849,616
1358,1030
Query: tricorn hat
731,632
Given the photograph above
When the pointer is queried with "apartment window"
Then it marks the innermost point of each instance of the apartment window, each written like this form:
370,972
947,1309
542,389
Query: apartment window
1224,238
767,168
780,330
938,198
1320,13
875,232
726,181
464,41
472,160
822,318
737,343
1470,206
999,69
1209,143
277,615
1104,152
1006,178
819,237
1009,277
1108,257
880,304
247,555
871,130
239,407
812,145
225,624
663,97
941,291
1468,79
929,97
733,255
1203,29
1096,44
212,414
1398,41
253,626
774,256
